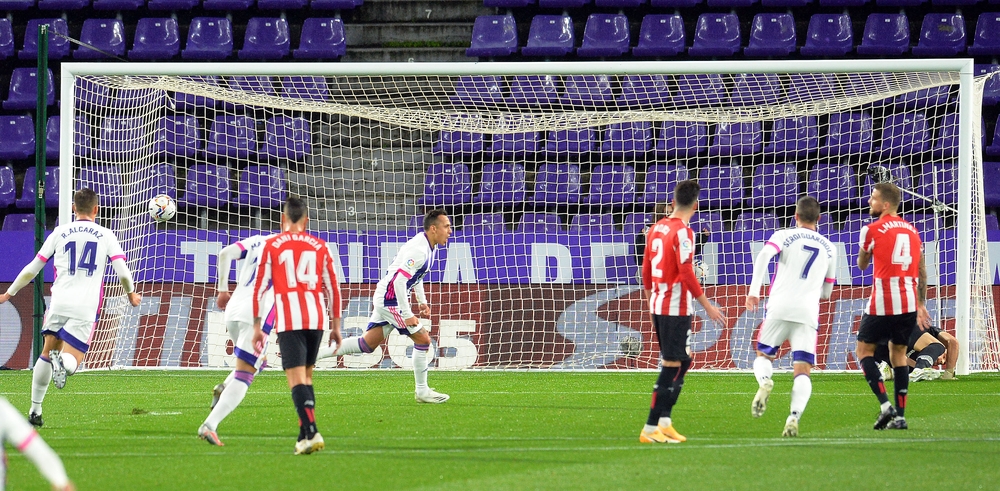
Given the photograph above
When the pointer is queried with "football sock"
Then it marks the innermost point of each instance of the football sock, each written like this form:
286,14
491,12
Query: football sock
801,390
901,383
420,358
40,378
873,376
930,354
69,362
678,385
762,369
648,429
229,378
666,422
304,405
231,397
662,394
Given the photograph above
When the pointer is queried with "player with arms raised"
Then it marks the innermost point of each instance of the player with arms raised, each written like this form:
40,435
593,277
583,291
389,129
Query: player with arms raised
806,272
896,308
670,283
81,250
20,435
306,301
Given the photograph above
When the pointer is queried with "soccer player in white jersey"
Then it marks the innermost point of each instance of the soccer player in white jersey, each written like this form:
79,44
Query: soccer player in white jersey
391,304
81,250
806,272
239,323
20,435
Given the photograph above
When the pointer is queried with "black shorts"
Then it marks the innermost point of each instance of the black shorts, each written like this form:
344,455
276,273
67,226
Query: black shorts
672,333
299,348
879,329
882,351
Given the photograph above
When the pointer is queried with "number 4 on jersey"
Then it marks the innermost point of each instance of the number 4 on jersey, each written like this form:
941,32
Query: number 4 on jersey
901,252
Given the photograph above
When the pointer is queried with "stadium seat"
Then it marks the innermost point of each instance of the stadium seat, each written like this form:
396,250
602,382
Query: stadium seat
105,180
576,141
885,35
722,185
284,4
592,225
941,35
833,184
311,88
991,179
82,136
16,4
946,140
994,146
635,222
682,138
209,38
252,84
699,90
991,222
8,188
621,4
557,184
7,48
232,136
752,89
334,4
774,185
19,222
660,182
785,3
107,35
771,35
156,39
458,142
899,3
184,101
923,98
706,223
986,41
446,185
266,38
587,90
52,138
562,4
30,190
534,90
61,5
238,5
17,133
643,90
716,35
493,35
58,45
848,133
991,92
629,140
904,134
794,137
178,136
900,175
939,180
515,145
809,87
508,3
120,138
24,90
731,3
262,186
674,3
539,223
119,4
206,185
483,223
321,38
756,222
605,35
157,179
611,185
661,35
477,90
172,4
550,35
287,138
502,185
737,139
829,35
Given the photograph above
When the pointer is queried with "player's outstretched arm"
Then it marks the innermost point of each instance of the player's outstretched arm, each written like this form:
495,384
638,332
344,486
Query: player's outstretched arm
227,255
125,276
24,277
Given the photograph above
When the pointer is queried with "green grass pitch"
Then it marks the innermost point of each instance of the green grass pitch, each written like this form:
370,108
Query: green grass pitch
514,430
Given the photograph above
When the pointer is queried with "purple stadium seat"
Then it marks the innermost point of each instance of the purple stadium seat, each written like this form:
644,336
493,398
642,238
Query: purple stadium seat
232,136
849,133
207,185
105,180
184,101
209,38
900,175
605,35
885,35
737,139
266,38
722,185
178,136
61,5
52,138
612,185
699,90
992,223
939,180
534,90
752,89
120,138
946,143
904,134
577,141
562,4
716,35
991,181
797,136
660,182
322,38
808,87
226,4
508,3
172,4
557,184
991,93
458,142
628,139
252,84
539,223
284,4
550,35
994,147
18,136
682,138
774,185
829,35
118,4
635,222
644,90
19,222
661,35
757,222
515,145
923,98
16,4
502,184
156,39
447,184
58,45
7,48
987,38
771,35
82,135
941,35
334,4
287,138
483,223
785,3
674,3
899,3
309,88
833,184
415,224
159,179
108,35
24,90
493,35
705,222
29,191
262,186
592,225
8,188
477,90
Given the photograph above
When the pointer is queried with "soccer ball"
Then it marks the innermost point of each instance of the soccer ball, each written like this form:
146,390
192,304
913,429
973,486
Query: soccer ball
700,271
162,208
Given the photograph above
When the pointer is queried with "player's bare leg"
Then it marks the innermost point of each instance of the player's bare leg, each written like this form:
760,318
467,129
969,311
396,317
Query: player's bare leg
41,377
762,370
421,358
801,391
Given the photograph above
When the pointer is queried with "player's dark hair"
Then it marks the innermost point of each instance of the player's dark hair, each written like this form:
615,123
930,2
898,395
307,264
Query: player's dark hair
659,212
295,209
431,218
890,193
807,208
686,193
85,200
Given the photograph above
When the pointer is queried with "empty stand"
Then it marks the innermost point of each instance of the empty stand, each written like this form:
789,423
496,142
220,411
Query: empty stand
157,179
539,223
716,35
23,90
156,39
629,140
7,48
530,90
737,139
19,222
172,4
107,35
209,38
120,138
833,184
986,41
17,134
771,35
904,134
848,133
446,185
941,35
829,35
751,89
262,186
493,35
682,138
515,145
458,143
575,141
699,90
661,35
59,5
557,184
756,222
660,182
794,137
310,88
885,35
483,223
207,185
321,38
587,90
939,180
226,4
502,185
105,180
29,191
605,35
8,187
722,185
284,4
178,135
946,139
774,185
478,90
232,136
58,45
266,39
643,90
119,4
550,35
592,225
611,185
287,138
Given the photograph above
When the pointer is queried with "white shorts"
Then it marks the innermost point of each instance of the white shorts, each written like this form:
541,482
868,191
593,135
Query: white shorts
801,337
388,318
241,333
74,332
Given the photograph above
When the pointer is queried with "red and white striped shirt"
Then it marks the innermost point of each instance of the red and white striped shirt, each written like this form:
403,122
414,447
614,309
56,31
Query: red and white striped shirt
299,267
667,269
896,249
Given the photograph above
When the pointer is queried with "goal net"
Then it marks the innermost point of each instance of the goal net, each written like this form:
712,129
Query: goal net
549,173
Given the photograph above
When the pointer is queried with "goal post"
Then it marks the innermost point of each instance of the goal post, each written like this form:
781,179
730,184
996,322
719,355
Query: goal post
548,172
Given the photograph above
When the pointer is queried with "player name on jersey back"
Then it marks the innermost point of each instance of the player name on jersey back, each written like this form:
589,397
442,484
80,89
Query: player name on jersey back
806,261
80,252
896,251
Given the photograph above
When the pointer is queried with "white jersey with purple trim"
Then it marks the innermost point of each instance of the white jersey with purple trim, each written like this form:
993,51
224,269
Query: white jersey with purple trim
806,261
16,431
79,251
240,306
405,274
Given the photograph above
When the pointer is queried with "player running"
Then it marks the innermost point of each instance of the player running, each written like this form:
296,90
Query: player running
20,435
391,304
81,250
239,323
806,272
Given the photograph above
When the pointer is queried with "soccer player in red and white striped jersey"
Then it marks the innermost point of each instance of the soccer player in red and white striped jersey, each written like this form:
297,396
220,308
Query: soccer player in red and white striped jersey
896,308
307,300
669,280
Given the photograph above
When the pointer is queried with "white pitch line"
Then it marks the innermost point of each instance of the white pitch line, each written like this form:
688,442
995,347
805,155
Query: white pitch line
491,392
